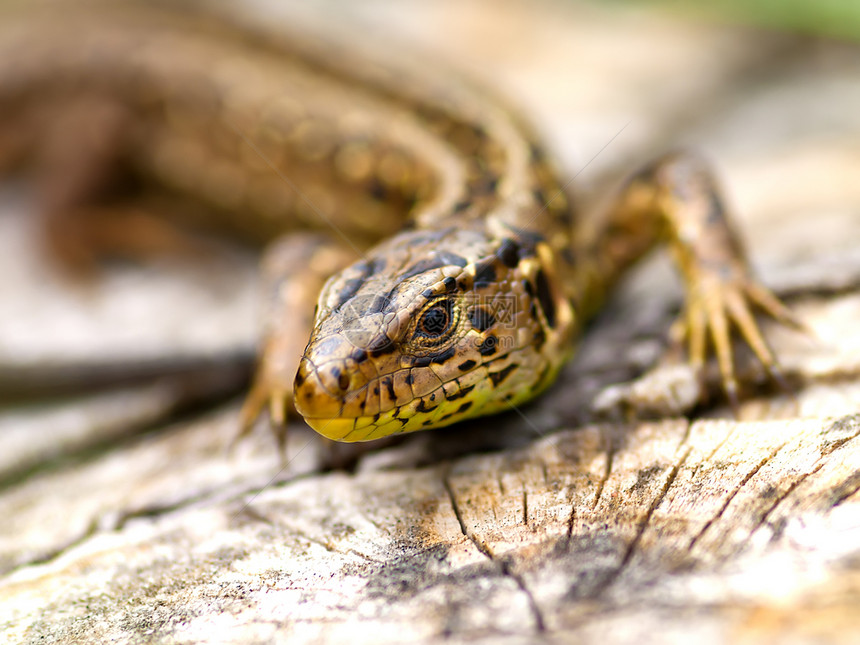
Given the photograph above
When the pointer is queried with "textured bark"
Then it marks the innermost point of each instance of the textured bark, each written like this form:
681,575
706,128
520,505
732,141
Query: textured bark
651,531
122,522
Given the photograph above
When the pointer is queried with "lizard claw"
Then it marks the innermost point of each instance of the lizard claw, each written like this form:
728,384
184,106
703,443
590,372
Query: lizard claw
717,306
261,395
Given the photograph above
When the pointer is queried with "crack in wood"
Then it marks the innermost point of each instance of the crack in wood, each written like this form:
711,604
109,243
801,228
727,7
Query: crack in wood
646,521
503,564
544,472
827,451
366,557
570,521
607,471
540,624
838,443
329,546
643,525
782,497
686,437
525,506
101,524
384,530
52,554
255,515
272,483
456,508
710,456
746,479
846,495
156,511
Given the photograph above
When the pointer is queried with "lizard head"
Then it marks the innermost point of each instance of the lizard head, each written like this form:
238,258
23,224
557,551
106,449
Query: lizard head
420,335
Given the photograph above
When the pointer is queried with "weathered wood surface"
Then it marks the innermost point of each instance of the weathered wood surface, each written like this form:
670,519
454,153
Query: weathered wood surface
122,525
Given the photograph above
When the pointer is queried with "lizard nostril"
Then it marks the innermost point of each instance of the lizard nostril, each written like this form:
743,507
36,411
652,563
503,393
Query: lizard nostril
301,374
333,378
320,391
341,378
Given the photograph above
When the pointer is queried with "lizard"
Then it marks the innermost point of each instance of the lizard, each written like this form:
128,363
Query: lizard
457,274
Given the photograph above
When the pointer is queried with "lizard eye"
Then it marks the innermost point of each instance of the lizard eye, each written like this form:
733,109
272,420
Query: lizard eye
435,321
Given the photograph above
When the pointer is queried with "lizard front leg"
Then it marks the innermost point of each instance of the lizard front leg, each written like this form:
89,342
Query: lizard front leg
294,269
676,199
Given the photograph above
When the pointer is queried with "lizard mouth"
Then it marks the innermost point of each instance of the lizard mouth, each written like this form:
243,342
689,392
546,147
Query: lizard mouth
334,403
336,406
342,406
354,429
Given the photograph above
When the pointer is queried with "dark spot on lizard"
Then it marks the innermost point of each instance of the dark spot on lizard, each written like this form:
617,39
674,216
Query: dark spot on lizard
481,319
427,264
388,382
501,375
541,380
377,189
485,273
466,365
423,407
461,393
489,346
437,261
452,259
377,305
568,255
539,337
528,241
486,186
380,346
536,152
350,288
341,378
544,295
716,211
363,269
529,288
358,355
508,253
441,357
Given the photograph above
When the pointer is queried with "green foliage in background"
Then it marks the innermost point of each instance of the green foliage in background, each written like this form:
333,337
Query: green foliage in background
834,18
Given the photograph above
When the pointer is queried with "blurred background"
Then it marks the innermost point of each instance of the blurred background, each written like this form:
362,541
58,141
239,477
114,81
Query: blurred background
839,19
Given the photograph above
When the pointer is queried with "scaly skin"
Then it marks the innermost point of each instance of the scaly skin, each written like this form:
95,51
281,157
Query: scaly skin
471,308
